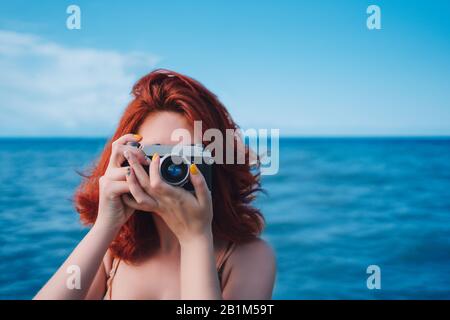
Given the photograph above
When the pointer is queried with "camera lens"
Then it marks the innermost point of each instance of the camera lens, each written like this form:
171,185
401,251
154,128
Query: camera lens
174,170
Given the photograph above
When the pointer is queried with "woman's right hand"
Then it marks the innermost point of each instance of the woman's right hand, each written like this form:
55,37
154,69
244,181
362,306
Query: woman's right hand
112,211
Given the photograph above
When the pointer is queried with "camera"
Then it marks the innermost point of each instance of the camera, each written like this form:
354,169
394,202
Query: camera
175,161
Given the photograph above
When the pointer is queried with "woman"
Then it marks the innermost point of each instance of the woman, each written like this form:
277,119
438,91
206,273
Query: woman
152,240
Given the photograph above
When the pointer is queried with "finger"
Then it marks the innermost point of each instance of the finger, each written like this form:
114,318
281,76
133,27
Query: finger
155,178
138,153
138,170
138,193
117,158
128,138
117,188
157,185
201,188
116,174
131,202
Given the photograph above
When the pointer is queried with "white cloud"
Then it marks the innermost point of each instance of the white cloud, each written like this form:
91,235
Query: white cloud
50,89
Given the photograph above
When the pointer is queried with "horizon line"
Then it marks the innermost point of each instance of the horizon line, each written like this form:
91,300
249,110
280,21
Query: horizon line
304,136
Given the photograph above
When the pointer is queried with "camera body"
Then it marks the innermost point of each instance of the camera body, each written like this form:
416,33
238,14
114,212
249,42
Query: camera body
175,161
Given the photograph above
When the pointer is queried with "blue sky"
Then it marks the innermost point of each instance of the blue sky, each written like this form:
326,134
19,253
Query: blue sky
305,67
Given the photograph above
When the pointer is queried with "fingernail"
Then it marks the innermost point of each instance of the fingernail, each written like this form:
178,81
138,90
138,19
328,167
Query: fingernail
134,144
138,137
193,169
156,155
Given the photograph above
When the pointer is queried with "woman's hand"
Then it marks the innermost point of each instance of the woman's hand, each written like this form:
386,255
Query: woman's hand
112,212
188,216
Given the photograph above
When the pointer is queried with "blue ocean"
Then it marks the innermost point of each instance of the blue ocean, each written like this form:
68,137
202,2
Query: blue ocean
336,207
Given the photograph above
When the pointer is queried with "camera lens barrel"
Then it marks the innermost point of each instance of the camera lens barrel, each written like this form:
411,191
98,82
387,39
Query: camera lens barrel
174,169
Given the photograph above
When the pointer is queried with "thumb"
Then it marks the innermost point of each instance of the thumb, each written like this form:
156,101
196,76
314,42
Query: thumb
201,188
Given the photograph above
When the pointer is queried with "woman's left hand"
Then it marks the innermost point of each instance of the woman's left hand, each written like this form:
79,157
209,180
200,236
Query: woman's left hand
188,216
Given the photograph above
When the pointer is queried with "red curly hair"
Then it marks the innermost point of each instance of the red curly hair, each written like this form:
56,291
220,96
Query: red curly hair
234,185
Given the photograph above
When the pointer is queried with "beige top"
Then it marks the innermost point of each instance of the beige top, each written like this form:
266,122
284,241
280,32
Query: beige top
220,263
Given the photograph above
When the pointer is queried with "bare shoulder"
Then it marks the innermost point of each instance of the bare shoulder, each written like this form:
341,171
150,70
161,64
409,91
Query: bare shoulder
256,251
251,271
